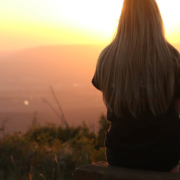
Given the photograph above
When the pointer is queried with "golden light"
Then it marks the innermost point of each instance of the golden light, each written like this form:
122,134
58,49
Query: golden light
171,16
26,23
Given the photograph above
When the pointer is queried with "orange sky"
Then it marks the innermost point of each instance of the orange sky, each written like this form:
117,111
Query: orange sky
28,23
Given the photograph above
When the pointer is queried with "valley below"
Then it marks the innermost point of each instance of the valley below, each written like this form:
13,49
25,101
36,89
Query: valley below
26,78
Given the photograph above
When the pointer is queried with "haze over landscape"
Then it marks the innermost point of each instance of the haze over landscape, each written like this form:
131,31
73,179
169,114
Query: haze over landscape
26,77
51,43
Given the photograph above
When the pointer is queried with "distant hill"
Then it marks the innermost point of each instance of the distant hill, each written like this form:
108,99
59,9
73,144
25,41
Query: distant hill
27,75
48,65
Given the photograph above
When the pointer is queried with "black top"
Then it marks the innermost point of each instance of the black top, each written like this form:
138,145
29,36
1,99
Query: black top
148,138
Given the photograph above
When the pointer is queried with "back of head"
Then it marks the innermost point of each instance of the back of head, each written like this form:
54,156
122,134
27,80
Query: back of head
137,68
140,19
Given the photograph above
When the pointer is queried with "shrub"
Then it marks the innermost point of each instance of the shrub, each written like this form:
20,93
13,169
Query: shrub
50,152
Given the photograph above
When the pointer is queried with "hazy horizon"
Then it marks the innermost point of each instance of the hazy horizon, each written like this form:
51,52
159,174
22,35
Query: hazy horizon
57,43
103,45
26,77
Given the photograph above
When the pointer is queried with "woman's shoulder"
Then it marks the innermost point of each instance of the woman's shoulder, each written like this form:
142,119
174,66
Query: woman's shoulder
174,51
95,83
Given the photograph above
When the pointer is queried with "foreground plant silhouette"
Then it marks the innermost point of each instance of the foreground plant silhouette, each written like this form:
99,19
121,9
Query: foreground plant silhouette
50,152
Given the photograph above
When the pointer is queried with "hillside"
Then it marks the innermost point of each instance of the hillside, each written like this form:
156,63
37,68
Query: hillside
27,75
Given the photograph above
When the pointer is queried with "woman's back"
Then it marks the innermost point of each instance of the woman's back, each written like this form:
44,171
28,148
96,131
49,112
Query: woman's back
146,142
138,74
139,56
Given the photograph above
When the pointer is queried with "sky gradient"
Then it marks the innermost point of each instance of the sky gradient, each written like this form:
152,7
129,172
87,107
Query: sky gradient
29,23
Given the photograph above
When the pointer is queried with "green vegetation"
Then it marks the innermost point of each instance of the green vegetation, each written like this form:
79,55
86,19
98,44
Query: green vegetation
50,152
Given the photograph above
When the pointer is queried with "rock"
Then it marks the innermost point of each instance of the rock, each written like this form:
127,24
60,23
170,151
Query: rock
103,171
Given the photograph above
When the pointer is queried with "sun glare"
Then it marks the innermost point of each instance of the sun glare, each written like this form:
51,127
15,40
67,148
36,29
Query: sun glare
40,22
26,103
170,13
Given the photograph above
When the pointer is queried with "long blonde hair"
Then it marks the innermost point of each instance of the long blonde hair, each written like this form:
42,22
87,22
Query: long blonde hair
138,67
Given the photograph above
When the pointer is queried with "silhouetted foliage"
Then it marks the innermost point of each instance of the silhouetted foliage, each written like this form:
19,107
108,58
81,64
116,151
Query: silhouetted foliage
104,126
50,152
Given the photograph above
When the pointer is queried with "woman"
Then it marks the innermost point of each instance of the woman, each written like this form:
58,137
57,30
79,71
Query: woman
138,74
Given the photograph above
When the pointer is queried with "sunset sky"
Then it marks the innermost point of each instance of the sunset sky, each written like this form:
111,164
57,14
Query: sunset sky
29,23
